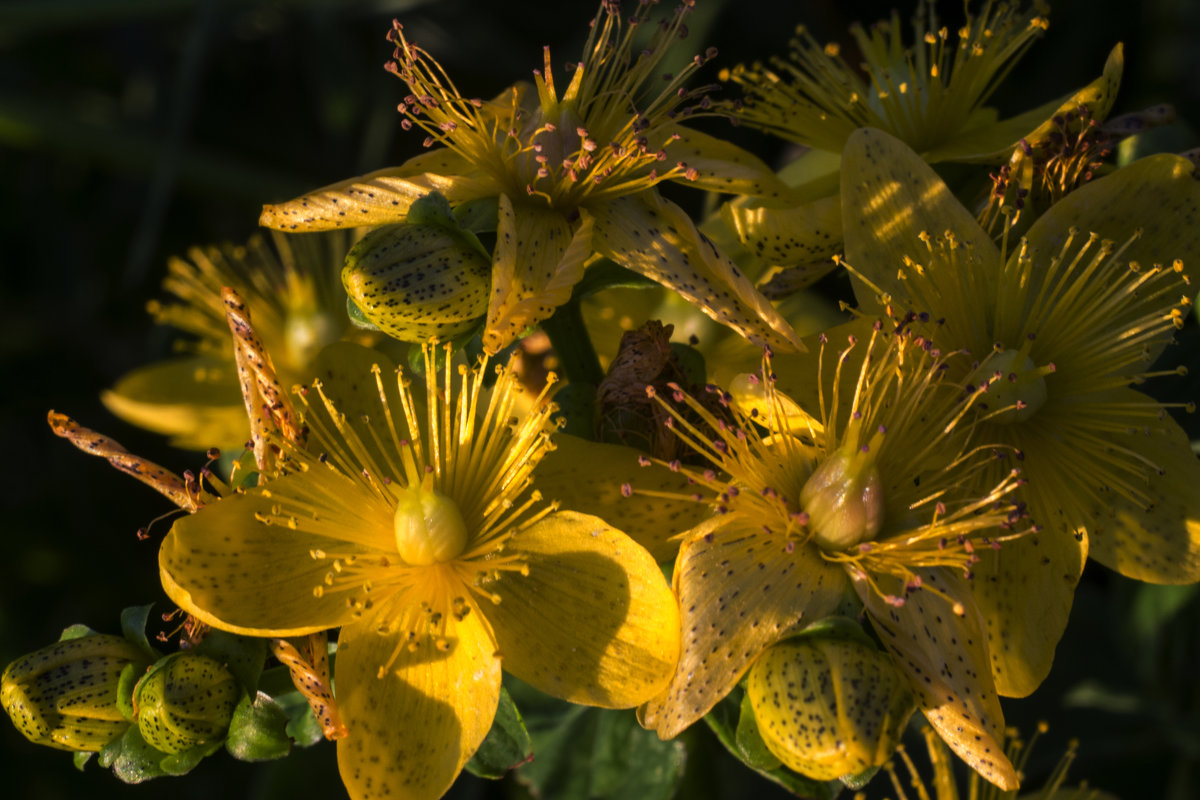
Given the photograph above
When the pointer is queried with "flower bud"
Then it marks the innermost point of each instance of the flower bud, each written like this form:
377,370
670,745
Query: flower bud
829,706
419,280
184,701
844,500
65,695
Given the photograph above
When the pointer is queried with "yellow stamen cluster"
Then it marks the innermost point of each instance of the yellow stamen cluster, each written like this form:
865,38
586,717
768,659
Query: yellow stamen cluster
424,500
923,94
904,453
596,141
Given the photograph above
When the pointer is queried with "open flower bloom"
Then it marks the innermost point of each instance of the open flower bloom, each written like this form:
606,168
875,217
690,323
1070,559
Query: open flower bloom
573,174
299,307
408,522
1071,318
929,92
870,497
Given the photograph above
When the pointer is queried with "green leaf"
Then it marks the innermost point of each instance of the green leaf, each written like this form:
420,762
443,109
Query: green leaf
750,744
577,406
608,274
507,744
724,720
258,731
242,655
856,782
133,627
80,759
593,753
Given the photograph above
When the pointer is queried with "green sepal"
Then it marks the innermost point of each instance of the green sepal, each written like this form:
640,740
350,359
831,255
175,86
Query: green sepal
506,746
859,780
357,318
593,753
126,685
723,720
750,743
837,627
434,209
243,472
185,762
77,631
243,656
133,628
481,215
131,759
258,730
81,758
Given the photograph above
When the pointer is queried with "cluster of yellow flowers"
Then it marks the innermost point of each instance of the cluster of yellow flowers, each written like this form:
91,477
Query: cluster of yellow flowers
861,520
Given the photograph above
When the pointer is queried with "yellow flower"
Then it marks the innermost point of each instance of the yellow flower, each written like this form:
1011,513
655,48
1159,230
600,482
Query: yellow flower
1073,316
299,307
929,93
573,174
868,496
408,522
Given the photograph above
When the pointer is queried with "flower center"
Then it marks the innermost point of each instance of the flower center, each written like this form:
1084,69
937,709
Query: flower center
1018,388
429,526
844,500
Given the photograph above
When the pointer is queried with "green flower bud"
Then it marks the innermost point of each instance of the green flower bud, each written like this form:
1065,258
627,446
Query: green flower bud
184,701
420,279
828,706
65,695
844,500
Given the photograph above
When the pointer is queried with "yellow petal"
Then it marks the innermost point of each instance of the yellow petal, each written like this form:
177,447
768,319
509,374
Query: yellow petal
587,477
1157,195
378,198
1025,589
1159,542
593,622
889,197
412,730
791,235
655,237
538,260
993,143
739,592
946,659
194,400
723,167
228,569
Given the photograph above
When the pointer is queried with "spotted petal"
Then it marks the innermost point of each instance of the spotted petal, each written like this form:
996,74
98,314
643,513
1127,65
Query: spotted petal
229,569
378,198
889,197
1025,589
722,166
1158,541
789,235
588,477
412,730
945,657
538,260
993,143
739,592
655,237
593,622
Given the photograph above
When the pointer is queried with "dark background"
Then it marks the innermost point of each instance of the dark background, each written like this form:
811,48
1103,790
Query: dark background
132,129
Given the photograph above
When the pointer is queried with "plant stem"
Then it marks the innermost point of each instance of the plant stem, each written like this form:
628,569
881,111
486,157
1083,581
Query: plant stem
572,344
